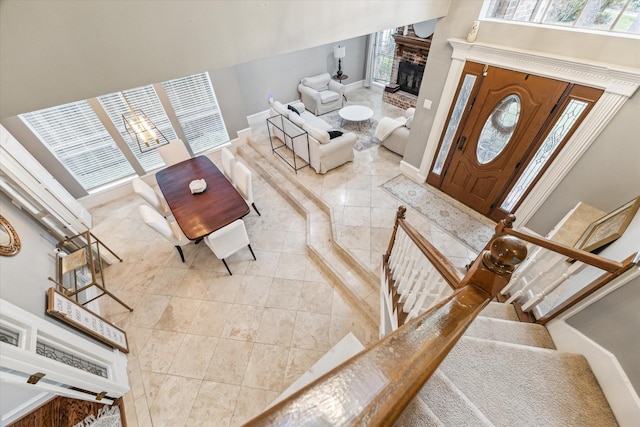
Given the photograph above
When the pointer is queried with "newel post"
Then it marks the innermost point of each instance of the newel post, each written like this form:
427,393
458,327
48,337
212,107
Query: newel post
400,214
492,270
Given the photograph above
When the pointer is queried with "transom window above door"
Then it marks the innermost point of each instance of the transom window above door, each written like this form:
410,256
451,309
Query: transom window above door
621,16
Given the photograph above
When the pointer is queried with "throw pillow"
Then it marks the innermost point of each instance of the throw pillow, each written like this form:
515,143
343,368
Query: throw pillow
289,107
334,134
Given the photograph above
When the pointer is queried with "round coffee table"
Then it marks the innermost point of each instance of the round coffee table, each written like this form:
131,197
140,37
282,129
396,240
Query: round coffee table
356,113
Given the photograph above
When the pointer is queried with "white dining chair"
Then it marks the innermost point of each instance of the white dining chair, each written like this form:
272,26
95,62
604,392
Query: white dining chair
168,229
150,196
174,152
229,240
243,178
228,162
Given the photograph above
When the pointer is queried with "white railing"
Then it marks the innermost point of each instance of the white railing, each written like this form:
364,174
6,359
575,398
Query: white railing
556,276
541,280
410,283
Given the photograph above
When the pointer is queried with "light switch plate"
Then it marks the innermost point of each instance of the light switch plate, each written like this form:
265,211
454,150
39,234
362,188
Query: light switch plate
427,104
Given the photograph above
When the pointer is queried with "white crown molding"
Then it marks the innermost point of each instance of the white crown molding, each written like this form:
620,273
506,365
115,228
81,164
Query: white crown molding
615,79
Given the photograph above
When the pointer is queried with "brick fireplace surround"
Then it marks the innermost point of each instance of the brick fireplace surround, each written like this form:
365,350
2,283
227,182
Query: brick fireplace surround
414,50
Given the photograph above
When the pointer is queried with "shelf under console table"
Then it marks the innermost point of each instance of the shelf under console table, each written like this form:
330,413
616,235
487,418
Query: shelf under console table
292,136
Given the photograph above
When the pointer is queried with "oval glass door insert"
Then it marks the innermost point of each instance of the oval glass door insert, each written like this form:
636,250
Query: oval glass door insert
498,129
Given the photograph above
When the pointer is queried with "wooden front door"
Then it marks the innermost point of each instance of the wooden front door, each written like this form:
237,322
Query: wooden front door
497,133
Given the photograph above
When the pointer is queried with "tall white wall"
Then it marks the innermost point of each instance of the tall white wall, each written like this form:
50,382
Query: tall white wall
23,277
53,51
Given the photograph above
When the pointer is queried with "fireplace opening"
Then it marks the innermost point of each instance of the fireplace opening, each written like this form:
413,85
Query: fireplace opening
410,77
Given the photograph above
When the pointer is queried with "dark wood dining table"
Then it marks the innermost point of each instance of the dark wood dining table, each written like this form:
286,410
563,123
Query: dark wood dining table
200,214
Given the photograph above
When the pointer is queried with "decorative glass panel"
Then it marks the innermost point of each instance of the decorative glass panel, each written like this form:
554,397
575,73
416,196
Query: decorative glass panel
9,336
46,350
498,129
565,123
454,121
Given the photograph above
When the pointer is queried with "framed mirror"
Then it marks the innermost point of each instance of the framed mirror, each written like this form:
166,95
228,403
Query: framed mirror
9,239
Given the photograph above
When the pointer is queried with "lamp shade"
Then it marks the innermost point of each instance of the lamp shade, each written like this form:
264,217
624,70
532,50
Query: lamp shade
339,52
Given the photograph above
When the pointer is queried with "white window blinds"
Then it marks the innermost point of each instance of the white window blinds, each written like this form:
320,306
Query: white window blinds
196,107
78,139
144,99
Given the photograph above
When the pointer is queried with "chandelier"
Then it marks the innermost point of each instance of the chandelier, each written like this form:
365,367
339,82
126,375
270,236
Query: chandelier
141,129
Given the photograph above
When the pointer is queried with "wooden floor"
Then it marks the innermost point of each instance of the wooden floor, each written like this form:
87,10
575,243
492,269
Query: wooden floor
63,412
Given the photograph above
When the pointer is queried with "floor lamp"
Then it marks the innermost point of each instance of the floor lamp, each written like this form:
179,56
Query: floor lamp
339,53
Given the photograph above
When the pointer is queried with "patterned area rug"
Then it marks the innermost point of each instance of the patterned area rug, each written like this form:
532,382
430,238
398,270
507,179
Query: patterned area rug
471,231
364,130
108,416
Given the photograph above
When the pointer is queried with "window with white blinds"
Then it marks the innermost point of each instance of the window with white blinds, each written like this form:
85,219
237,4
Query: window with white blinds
197,110
145,99
78,139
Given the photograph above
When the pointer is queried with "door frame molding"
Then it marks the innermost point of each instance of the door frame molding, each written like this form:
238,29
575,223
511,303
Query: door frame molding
618,83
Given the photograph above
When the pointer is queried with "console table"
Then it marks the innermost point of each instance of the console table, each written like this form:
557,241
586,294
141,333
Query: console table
286,131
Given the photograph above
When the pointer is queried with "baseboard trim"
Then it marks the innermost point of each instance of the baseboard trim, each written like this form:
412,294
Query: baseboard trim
412,172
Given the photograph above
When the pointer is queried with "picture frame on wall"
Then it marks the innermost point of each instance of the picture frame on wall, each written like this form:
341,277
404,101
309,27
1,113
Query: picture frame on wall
610,227
85,320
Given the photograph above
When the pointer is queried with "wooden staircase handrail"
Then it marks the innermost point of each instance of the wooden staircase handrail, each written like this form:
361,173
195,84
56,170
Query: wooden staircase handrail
447,270
505,227
375,386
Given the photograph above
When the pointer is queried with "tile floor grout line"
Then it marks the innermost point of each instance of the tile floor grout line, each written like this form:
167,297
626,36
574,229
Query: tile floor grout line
360,302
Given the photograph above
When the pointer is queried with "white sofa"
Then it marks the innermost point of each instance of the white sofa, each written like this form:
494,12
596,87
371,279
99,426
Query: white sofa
324,153
320,94
394,133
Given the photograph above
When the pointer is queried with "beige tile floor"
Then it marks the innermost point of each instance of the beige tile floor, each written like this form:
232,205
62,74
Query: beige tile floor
214,350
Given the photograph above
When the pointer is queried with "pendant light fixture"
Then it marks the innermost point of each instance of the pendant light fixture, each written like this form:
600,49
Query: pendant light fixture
142,129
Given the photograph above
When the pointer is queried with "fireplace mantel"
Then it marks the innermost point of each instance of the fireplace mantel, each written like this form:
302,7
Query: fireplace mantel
411,42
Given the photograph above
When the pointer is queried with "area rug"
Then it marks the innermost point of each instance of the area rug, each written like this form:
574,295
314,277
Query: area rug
464,227
364,130
108,416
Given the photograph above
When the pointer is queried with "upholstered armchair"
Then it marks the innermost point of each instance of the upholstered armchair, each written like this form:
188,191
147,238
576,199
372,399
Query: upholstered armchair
393,133
320,94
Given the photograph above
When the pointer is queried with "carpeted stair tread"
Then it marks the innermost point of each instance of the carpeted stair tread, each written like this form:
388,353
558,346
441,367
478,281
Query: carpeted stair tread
500,310
509,331
515,385
418,414
449,404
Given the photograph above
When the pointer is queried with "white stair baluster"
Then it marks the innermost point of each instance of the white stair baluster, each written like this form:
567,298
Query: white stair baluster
412,270
537,299
521,270
399,250
432,276
559,260
415,285
404,268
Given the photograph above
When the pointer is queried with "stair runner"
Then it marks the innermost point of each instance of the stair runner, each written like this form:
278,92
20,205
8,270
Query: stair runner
507,373
501,373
